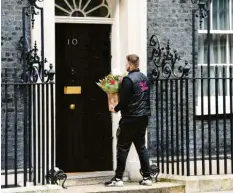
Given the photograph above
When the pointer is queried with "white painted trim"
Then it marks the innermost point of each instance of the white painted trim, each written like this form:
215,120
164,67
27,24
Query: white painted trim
143,36
231,14
216,31
49,41
115,67
134,41
212,64
80,20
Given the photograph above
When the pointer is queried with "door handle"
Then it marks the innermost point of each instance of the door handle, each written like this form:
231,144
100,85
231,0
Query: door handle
72,106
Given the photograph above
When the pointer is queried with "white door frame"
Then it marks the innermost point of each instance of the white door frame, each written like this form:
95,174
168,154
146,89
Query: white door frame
50,48
83,20
129,35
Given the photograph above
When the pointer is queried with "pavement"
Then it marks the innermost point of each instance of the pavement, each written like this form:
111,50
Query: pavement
221,192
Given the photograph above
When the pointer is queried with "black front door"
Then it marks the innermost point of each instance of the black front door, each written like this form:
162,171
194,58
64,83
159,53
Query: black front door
83,122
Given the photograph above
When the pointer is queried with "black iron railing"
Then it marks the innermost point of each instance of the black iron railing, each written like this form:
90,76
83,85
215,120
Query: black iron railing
193,107
28,127
28,113
188,143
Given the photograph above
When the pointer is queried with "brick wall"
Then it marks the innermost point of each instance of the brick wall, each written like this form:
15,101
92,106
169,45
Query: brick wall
172,20
11,23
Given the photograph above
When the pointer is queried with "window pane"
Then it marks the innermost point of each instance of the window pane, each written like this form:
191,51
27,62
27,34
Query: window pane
221,15
217,49
82,8
231,48
204,75
231,14
201,49
223,82
61,8
222,74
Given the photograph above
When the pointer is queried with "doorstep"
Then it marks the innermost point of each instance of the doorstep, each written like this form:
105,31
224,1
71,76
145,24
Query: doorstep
160,187
90,178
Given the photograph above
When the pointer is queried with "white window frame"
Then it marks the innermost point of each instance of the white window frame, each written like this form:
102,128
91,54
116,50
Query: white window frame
204,108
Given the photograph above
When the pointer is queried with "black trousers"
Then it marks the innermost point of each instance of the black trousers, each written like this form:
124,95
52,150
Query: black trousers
132,130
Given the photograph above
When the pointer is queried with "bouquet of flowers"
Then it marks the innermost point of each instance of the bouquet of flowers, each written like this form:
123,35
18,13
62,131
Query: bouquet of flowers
111,84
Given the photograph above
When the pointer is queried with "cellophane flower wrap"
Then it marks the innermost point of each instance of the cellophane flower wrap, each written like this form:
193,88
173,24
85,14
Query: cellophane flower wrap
111,84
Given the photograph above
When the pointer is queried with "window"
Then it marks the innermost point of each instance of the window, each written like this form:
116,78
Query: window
82,8
221,57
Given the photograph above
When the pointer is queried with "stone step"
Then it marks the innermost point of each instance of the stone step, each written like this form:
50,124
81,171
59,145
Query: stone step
90,178
197,184
160,187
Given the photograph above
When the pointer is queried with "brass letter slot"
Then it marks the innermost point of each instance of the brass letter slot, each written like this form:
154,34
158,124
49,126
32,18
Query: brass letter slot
72,90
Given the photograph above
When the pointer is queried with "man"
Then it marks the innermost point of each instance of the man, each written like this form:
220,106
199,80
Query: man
134,105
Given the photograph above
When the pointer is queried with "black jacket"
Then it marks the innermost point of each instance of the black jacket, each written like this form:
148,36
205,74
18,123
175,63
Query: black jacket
134,95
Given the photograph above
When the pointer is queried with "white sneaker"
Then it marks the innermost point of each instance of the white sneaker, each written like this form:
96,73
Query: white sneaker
114,182
146,181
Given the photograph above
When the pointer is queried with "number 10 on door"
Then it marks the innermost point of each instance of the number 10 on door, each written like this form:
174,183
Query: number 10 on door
73,41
